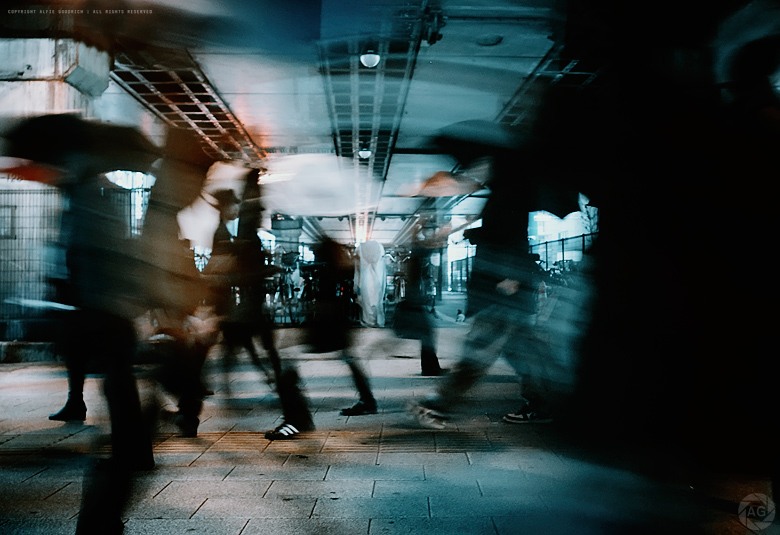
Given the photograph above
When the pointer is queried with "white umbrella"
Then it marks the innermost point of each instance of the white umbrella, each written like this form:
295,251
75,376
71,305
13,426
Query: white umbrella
315,185
199,220
444,184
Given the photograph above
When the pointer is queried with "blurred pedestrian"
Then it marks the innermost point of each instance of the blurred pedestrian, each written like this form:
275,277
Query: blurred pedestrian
175,291
502,297
329,328
412,318
371,281
241,297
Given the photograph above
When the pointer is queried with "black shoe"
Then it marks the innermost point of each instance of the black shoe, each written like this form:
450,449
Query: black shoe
526,417
284,432
360,408
436,372
143,463
188,425
71,412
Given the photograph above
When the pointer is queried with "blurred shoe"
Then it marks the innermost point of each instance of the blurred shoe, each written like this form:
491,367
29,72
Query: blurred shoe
73,411
284,432
360,408
143,463
426,417
526,417
188,425
434,372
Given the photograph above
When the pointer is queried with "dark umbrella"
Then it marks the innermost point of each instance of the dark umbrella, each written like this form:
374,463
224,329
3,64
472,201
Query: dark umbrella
471,140
516,161
69,142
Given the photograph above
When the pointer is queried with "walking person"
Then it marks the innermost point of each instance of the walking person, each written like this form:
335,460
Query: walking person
502,300
330,330
175,289
241,297
412,318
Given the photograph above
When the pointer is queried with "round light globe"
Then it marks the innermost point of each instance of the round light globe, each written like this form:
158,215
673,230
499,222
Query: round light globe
369,59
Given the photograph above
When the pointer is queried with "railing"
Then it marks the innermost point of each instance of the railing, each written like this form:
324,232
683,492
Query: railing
563,250
30,254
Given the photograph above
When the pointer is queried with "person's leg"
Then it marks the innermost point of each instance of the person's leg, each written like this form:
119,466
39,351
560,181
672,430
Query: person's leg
266,333
366,403
429,362
295,407
71,341
74,409
480,351
228,353
108,484
180,375
244,337
131,440
191,393
531,359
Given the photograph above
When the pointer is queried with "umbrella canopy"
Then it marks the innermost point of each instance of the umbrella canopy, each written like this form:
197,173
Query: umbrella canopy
315,185
29,171
474,139
444,184
69,142
518,178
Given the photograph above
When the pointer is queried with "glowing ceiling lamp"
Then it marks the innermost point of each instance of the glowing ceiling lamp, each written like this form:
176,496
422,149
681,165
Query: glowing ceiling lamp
370,59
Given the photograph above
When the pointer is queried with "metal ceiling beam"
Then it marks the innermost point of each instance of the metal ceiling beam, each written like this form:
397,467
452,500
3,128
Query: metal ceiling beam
366,105
173,87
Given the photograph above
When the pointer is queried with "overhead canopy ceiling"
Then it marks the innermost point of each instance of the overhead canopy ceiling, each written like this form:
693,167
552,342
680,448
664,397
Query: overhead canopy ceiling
260,79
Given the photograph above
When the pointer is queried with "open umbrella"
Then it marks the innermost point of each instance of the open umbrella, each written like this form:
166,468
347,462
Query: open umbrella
315,185
68,142
443,184
517,171
474,139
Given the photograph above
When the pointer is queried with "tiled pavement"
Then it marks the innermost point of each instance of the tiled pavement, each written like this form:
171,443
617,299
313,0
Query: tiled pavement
368,475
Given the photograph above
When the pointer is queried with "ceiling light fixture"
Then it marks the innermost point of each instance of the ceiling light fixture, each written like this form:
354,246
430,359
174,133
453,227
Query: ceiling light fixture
489,39
370,59
364,153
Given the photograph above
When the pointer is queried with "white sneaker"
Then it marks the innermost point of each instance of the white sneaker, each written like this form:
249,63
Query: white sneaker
427,418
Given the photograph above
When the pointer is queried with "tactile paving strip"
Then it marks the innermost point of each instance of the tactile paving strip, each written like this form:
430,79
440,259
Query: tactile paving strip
461,442
397,440
351,443
248,442
305,443
239,442
199,444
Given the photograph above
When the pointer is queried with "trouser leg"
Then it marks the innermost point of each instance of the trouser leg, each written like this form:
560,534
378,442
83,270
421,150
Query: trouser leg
429,362
73,340
130,438
360,379
267,339
532,360
295,406
478,355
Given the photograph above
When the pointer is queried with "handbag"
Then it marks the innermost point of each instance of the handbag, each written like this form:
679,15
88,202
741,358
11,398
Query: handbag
411,321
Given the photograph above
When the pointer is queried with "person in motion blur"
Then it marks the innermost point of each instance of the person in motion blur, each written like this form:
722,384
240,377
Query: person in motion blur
239,298
329,328
502,298
175,291
412,318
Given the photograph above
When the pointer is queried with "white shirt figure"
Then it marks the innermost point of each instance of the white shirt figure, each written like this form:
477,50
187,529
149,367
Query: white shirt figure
371,278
